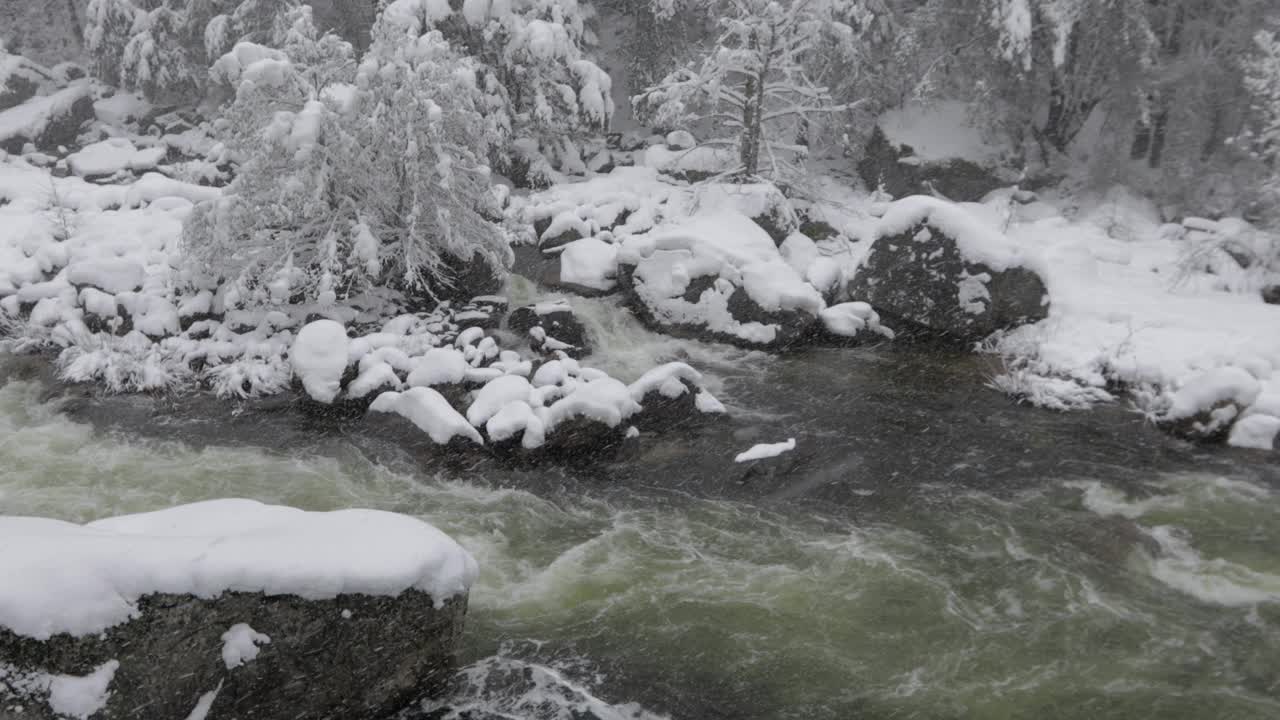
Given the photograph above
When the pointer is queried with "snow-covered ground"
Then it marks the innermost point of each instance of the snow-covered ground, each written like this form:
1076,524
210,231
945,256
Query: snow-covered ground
1135,303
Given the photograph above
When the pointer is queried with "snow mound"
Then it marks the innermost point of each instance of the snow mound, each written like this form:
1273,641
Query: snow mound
590,263
319,355
1203,392
114,155
82,579
430,411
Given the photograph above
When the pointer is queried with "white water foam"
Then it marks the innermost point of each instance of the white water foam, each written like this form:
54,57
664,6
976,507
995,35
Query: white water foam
1217,581
505,688
1178,564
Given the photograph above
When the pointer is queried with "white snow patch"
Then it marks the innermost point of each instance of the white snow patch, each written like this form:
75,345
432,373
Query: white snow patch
240,645
766,450
589,262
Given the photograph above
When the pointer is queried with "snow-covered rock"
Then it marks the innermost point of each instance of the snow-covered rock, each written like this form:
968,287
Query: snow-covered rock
717,276
551,327
854,320
1206,406
943,270
589,263
917,149
319,355
363,609
114,155
672,395
430,412
47,121
680,140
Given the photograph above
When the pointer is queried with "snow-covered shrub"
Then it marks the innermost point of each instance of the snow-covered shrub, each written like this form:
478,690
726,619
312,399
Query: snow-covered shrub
350,185
541,92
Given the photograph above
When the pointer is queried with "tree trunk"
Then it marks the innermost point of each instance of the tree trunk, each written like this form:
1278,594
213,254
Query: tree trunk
749,144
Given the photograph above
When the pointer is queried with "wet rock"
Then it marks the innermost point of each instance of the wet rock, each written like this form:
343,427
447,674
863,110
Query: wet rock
896,169
582,438
551,327
484,311
351,656
920,280
666,411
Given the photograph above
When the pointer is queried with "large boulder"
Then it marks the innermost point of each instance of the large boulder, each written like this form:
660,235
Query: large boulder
48,121
934,148
717,276
935,268
227,609
20,80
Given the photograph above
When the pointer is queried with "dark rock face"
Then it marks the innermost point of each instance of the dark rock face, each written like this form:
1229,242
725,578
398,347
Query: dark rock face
920,279
958,180
559,324
353,656
1271,295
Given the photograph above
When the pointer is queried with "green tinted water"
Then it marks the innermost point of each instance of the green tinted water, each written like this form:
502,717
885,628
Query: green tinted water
1070,598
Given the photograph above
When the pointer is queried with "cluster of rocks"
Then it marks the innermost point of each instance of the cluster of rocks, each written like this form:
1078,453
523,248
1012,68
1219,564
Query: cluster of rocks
918,277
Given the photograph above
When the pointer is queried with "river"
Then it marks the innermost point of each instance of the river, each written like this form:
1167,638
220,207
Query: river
930,550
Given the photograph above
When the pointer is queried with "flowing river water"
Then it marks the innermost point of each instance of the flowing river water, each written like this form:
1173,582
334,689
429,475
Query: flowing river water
930,550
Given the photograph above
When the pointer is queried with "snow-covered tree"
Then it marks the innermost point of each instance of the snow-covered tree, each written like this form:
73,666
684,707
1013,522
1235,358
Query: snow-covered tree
164,48
1262,140
755,83
108,28
543,94
345,185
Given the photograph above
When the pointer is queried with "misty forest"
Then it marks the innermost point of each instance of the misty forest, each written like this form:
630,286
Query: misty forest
639,359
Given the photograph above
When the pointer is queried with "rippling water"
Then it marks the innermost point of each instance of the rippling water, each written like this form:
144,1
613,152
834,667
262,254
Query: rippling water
882,577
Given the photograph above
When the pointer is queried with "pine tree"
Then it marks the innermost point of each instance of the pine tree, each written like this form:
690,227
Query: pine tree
344,186
543,95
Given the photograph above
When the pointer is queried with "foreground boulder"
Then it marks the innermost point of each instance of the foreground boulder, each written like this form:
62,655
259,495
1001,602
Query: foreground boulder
936,269
47,121
227,609
719,277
